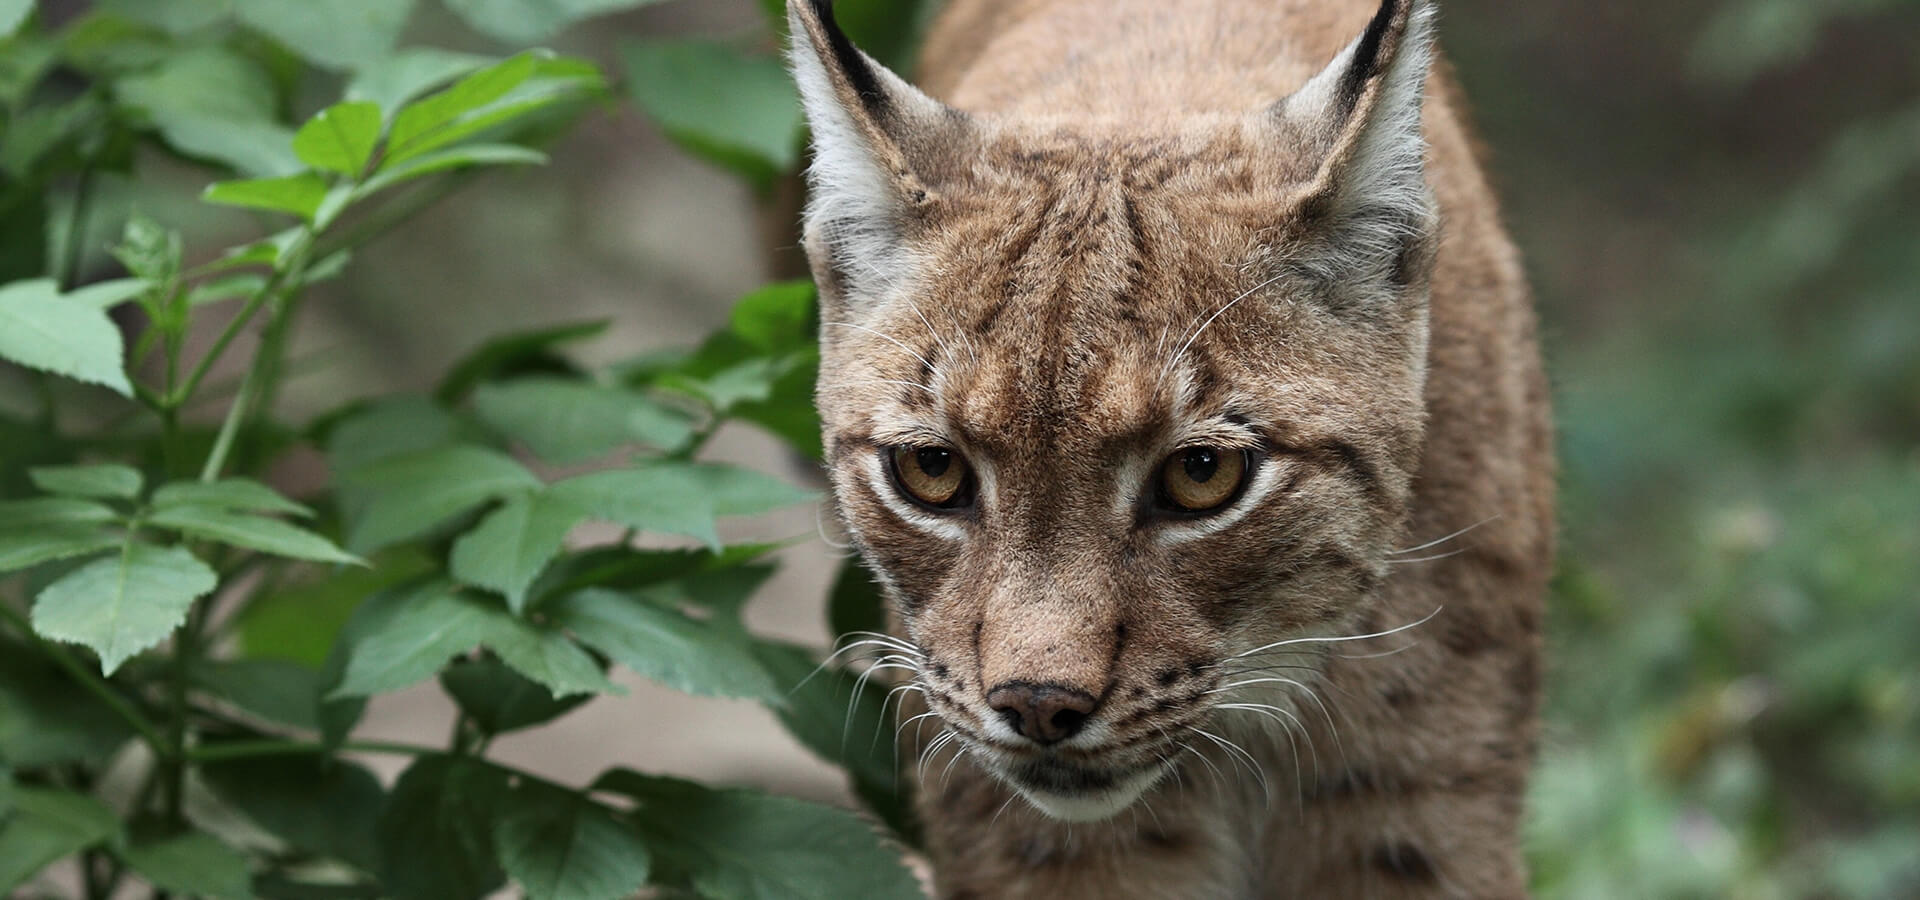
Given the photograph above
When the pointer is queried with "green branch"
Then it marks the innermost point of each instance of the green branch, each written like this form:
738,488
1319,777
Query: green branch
93,683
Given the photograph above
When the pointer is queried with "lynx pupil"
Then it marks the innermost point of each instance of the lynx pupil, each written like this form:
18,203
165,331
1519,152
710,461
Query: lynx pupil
933,461
1201,463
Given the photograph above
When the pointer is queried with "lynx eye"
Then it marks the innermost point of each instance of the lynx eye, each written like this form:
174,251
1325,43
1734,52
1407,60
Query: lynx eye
935,476
1202,479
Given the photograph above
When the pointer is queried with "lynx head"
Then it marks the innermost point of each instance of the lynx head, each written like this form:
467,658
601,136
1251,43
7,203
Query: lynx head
1108,404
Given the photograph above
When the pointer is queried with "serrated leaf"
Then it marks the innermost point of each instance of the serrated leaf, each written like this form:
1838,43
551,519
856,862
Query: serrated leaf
228,493
558,845
435,837
300,622
47,825
41,329
106,480
275,690
565,421
194,864
745,845
23,549
230,287
340,138
665,645
252,532
109,294
388,428
731,108
453,158
299,194
509,547
417,121
499,700
678,497
123,604
336,33
38,511
404,496
397,78
320,805
434,624
215,103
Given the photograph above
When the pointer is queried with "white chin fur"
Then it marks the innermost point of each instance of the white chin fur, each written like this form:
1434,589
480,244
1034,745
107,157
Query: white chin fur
1090,807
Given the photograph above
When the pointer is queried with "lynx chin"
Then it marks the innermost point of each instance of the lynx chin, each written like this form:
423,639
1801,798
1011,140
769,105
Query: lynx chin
1179,384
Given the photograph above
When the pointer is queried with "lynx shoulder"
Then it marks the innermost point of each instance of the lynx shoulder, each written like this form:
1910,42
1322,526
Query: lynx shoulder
1179,384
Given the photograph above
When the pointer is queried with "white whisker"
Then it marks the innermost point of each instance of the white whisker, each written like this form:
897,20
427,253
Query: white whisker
1442,540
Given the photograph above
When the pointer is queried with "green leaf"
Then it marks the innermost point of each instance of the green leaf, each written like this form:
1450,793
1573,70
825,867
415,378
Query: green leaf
433,624
745,845
299,194
665,645
397,78
123,604
499,700
507,550
109,294
530,21
47,718
47,825
24,549
435,837
214,103
855,604
13,13
557,844
230,287
340,138
274,690
105,480
405,496
452,158
416,123
730,108
229,493
340,34
623,568
844,721
41,329
678,497
776,318
176,16
390,427
33,513
316,804
300,623
194,864
514,354
566,421
252,532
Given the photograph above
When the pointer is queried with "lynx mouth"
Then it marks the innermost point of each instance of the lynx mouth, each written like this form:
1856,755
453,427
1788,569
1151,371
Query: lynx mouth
1074,792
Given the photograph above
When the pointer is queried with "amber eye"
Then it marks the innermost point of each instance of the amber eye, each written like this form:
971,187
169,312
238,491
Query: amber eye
1199,479
935,476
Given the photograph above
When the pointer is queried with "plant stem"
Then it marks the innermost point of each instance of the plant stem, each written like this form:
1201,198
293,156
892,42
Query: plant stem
77,227
229,428
93,683
232,750
173,775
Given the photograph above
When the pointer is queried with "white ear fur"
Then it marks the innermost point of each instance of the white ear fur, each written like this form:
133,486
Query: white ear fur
1375,167
862,183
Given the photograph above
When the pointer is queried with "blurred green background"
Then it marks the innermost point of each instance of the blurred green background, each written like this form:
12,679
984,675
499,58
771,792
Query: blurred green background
1719,201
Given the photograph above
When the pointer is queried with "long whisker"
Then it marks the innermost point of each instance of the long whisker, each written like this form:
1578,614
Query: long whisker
1168,366
1421,559
1351,637
1441,540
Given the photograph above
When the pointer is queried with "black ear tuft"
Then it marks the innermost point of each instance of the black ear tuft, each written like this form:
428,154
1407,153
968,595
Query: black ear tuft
1366,55
858,69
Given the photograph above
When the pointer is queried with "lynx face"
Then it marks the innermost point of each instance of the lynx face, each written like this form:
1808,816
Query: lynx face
1106,409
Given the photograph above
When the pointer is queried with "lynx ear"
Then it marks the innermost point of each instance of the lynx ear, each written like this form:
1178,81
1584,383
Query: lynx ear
1361,116
879,148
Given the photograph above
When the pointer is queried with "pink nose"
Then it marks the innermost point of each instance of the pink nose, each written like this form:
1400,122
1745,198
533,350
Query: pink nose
1043,713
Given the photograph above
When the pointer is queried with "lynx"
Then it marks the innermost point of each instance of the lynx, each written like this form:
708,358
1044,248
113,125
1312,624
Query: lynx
1180,388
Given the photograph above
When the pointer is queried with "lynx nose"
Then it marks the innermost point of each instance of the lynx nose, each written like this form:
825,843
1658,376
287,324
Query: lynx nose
1043,713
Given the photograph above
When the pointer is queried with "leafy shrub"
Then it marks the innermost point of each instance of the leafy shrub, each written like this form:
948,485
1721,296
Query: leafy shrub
185,651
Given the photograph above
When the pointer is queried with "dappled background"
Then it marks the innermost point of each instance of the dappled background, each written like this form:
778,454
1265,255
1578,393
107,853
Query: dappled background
1719,201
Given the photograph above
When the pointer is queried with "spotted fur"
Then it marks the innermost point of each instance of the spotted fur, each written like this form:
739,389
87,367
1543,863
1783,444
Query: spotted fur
1126,228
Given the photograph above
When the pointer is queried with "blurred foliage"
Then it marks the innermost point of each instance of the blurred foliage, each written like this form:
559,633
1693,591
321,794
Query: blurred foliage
156,592
1734,315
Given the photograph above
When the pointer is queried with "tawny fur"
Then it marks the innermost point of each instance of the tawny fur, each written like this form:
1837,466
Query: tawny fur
1124,227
